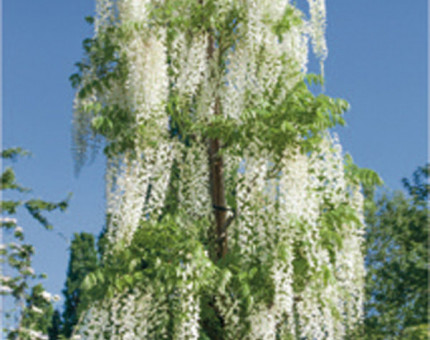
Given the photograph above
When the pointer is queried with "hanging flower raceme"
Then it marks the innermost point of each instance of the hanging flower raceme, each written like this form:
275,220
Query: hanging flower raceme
231,213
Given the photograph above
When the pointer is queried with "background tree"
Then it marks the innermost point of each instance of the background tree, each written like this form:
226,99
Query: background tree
397,262
231,211
56,326
83,260
29,307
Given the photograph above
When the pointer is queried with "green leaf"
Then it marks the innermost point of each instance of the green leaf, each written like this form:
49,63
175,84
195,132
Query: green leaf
13,153
89,19
97,122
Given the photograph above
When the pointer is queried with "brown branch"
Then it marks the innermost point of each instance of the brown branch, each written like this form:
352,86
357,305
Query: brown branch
216,176
217,188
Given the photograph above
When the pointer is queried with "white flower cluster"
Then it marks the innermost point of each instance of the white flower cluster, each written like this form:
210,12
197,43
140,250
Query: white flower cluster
124,317
145,314
260,61
189,64
49,297
36,335
331,299
189,301
193,190
136,189
136,184
317,27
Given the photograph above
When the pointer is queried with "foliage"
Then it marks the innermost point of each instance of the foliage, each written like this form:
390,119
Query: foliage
29,319
13,153
397,262
157,252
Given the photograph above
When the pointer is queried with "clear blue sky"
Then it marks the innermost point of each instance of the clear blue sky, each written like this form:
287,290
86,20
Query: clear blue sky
377,61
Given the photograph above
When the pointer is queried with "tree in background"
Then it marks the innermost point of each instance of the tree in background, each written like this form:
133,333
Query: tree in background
231,211
83,260
30,305
56,326
397,262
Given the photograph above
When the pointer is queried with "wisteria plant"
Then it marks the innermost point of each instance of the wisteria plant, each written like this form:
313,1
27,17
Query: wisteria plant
232,213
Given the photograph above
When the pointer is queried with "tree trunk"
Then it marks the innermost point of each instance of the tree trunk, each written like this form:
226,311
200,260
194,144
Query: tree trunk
217,192
216,173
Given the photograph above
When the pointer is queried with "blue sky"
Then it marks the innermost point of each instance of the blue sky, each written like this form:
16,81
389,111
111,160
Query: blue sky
377,61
